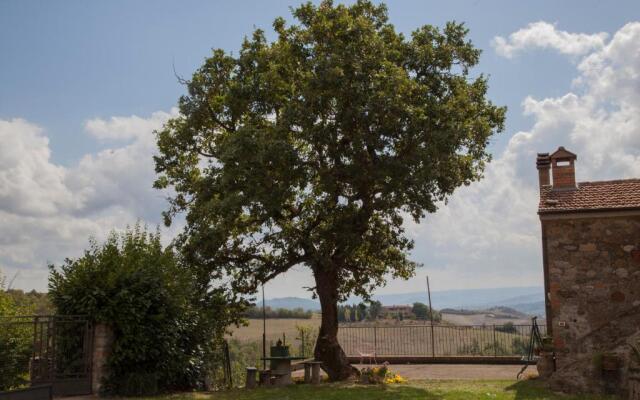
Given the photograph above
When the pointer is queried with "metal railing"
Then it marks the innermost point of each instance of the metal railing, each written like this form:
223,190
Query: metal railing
437,340
38,350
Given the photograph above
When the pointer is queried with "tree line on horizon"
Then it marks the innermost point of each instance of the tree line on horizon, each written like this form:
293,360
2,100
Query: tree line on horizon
256,312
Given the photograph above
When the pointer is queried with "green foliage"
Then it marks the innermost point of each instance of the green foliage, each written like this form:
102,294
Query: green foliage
489,349
508,327
243,355
422,311
165,322
353,314
375,310
38,303
299,313
16,341
139,384
307,338
362,311
520,346
312,148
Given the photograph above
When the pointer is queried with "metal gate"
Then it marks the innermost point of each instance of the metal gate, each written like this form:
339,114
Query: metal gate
46,350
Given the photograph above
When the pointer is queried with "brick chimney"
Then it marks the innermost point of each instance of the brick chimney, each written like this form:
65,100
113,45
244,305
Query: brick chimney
563,169
543,163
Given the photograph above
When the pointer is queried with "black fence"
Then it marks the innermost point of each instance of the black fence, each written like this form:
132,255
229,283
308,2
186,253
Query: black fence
46,350
437,340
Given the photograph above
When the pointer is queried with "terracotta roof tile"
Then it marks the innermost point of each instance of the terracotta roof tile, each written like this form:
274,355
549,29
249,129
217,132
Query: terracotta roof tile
591,196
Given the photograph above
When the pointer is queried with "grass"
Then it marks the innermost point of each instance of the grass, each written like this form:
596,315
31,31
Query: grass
427,390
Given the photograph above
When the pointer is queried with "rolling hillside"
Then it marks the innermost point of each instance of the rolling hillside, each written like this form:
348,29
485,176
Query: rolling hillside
527,300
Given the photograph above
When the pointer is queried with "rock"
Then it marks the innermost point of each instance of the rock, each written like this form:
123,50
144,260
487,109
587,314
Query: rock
588,247
622,273
617,297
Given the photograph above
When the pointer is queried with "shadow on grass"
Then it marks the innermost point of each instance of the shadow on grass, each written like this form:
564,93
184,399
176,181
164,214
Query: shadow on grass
535,389
333,392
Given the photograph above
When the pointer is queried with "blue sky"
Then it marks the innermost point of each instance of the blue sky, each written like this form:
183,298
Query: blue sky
67,68
65,62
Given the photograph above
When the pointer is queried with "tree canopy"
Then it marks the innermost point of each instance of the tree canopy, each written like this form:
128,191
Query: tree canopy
314,148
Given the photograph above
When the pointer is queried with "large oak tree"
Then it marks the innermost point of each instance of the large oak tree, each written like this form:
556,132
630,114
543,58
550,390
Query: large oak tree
313,148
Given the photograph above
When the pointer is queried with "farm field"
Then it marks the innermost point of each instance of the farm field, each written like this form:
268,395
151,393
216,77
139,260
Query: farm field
275,328
482,319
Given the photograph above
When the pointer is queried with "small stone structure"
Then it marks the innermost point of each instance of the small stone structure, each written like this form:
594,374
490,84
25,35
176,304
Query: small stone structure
102,344
591,257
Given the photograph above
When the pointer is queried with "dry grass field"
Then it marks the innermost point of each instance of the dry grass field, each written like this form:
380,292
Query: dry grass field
482,319
276,327
393,338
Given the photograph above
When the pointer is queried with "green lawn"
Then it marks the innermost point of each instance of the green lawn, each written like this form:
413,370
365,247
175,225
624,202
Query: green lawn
428,390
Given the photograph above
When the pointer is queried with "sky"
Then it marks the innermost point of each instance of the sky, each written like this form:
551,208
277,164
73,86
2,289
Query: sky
83,85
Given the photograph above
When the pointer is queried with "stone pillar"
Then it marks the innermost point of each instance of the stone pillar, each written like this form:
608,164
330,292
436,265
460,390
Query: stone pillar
102,342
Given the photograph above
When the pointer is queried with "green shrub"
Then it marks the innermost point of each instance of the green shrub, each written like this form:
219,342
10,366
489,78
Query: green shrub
508,327
15,342
140,384
166,323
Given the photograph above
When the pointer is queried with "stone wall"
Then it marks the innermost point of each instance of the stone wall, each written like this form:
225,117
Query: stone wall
102,343
594,285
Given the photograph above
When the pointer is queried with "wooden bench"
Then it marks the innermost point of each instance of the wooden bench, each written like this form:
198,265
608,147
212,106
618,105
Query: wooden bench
312,371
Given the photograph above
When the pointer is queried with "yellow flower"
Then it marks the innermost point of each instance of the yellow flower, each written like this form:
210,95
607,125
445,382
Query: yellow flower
395,379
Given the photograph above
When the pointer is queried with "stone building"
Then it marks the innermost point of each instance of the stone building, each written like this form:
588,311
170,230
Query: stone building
395,311
591,257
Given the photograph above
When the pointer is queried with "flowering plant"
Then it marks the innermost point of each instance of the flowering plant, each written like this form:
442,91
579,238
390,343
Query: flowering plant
378,375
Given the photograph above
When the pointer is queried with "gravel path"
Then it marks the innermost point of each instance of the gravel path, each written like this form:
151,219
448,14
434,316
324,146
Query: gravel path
454,371
458,371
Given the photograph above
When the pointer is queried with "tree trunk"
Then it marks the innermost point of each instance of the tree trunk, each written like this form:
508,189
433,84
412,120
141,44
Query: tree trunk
328,350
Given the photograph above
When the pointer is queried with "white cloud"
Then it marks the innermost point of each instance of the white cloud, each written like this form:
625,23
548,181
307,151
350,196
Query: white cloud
488,234
125,128
48,212
29,183
545,35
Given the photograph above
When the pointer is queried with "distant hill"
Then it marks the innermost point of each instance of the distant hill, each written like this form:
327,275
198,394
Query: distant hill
470,298
527,300
533,308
